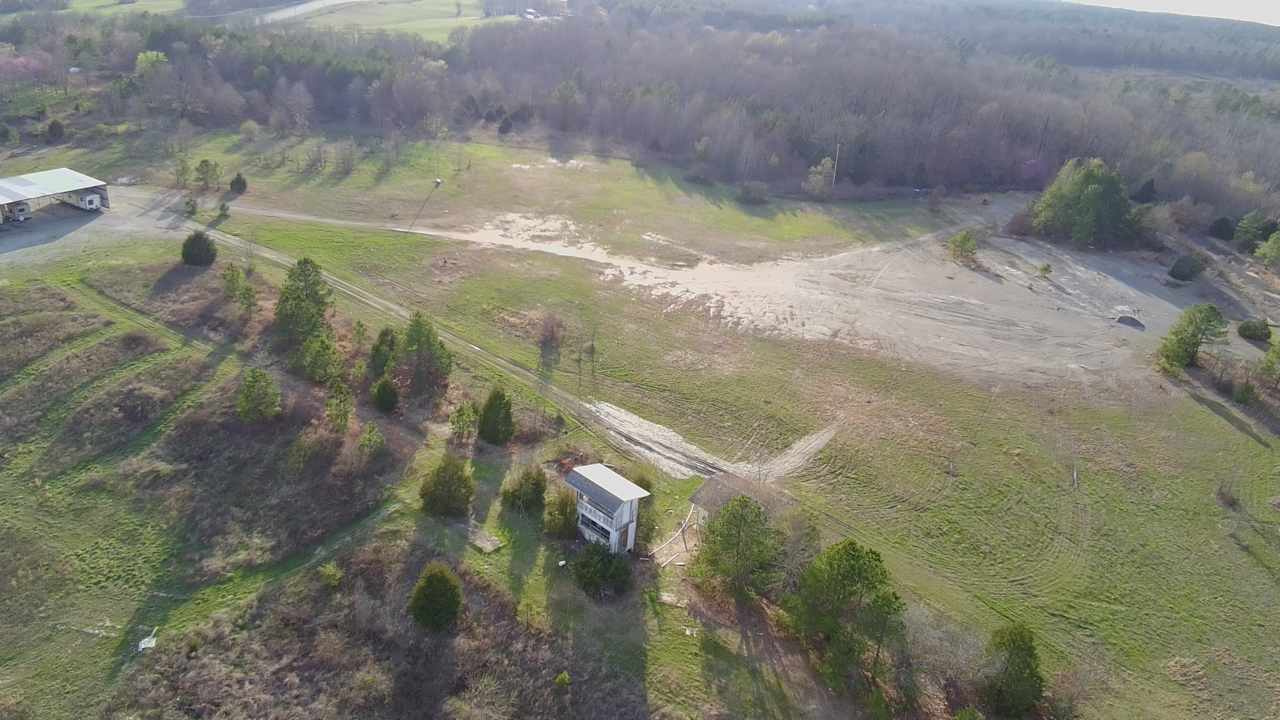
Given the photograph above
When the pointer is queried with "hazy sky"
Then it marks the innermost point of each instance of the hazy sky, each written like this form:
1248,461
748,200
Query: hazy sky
1264,11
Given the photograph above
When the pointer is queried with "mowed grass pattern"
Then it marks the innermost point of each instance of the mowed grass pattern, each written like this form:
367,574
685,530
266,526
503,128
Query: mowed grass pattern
94,556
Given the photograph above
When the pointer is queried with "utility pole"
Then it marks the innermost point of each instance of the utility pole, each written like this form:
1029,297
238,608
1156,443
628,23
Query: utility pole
835,169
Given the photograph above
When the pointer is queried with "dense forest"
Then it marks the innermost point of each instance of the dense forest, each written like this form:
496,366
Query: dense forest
981,95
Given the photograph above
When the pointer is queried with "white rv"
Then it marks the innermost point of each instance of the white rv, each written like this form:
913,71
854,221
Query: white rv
15,211
83,199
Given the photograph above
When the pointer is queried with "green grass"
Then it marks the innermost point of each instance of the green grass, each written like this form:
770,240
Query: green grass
112,7
432,19
969,495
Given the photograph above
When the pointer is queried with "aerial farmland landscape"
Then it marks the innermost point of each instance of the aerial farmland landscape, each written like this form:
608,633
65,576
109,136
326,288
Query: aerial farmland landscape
631,359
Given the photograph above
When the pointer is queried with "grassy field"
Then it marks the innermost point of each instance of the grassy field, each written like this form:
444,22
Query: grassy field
108,559
1136,535
432,19
645,210
1066,513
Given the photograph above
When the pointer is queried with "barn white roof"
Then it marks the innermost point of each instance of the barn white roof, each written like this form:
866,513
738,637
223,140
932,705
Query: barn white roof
604,486
47,182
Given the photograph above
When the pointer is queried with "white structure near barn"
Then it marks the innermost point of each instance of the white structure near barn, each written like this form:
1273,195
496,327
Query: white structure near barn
19,193
608,506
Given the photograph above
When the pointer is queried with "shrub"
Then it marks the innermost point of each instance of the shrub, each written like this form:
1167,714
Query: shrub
54,132
1020,224
1186,267
224,211
437,597
1224,228
1044,270
1017,685
448,488
819,181
1197,325
1251,231
371,441
561,520
599,572
1269,251
189,207
753,192
969,713
1244,394
330,574
383,353
258,398
526,490
1146,193
338,406
496,426
385,395
232,281
1255,329
238,184
562,680
198,249
7,134
250,131
319,359
462,422
963,247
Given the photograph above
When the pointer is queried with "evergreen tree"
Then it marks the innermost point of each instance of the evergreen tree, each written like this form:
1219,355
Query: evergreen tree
436,602
383,353
304,302
1251,231
448,488
429,360
258,398
496,425
1018,685
1198,324
1087,205
740,547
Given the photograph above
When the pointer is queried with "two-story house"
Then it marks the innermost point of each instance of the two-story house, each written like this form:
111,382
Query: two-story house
608,506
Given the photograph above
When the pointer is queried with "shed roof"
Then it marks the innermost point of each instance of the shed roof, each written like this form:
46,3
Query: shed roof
603,486
47,182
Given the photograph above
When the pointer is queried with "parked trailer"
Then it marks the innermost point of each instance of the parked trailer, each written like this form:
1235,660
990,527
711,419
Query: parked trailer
62,184
85,200
15,212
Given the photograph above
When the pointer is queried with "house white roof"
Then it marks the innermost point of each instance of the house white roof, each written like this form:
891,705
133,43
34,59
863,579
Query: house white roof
47,182
604,486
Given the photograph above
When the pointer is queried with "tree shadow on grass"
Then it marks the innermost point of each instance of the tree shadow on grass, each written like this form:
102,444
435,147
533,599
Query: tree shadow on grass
608,640
524,537
747,680
1241,424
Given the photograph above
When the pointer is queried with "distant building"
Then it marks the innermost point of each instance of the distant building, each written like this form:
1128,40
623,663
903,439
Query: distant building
20,192
608,506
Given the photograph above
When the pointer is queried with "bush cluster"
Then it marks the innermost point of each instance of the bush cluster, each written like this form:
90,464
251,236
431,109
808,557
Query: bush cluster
198,249
436,602
448,488
1186,268
526,490
600,573
1255,329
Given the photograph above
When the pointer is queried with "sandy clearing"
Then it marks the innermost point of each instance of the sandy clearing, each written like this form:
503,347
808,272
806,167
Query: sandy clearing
1000,323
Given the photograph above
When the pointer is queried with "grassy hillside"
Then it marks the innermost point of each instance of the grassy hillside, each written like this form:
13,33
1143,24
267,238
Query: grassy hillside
1066,512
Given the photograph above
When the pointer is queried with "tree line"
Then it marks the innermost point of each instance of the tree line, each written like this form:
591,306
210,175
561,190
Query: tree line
914,109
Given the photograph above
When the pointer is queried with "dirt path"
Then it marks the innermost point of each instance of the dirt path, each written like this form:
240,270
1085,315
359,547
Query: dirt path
1001,322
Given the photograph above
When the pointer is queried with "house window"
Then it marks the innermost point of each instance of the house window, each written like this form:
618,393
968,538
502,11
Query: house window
593,526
